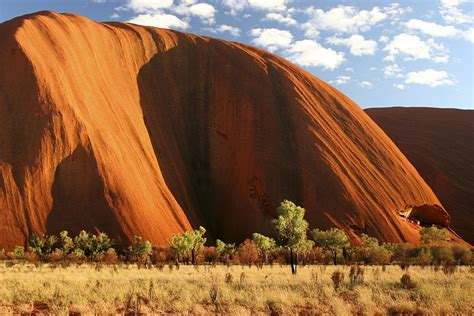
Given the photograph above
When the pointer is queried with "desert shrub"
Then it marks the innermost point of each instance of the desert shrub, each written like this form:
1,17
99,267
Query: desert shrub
337,278
248,253
228,278
441,254
19,252
31,257
433,235
55,256
356,275
461,254
110,256
92,246
376,273
160,256
424,257
210,255
43,245
449,268
406,282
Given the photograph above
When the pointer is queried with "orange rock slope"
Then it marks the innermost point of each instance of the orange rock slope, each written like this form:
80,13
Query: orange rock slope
138,130
440,144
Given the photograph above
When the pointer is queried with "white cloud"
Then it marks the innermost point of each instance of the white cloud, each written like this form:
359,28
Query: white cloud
357,43
350,69
452,14
309,53
271,39
167,21
147,6
234,31
392,70
234,6
284,19
115,15
340,80
469,35
344,19
399,86
268,5
412,47
366,84
384,39
432,29
204,11
430,77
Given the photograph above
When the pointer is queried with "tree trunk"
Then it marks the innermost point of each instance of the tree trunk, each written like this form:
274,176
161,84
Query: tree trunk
334,256
296,262
193,256
293,270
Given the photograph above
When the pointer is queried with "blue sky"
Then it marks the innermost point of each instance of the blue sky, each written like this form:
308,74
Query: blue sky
380,53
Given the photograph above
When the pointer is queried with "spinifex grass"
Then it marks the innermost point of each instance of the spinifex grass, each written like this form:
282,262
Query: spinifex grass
207,289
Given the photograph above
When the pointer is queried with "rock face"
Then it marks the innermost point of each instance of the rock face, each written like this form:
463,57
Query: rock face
138,130
440,144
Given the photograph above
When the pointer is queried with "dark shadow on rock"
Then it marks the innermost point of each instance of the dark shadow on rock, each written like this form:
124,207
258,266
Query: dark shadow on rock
188,128
79,201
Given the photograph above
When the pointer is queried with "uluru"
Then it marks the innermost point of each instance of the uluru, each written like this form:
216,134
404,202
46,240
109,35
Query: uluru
135,130
440,144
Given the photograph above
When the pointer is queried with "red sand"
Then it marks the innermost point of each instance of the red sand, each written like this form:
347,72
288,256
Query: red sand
138,130
440,144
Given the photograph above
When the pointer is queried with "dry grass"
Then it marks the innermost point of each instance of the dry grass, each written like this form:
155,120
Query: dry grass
234,290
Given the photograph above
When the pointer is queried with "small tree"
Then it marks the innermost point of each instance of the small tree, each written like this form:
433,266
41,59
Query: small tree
333,239
265,245
179,246
189,241
433,235
141,250
195,241
292,228
224,250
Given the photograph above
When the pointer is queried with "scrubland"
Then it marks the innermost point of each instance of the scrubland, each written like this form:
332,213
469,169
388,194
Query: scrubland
235,290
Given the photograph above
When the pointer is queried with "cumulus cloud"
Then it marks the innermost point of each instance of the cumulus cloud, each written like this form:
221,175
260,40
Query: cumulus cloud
268,5
309,53
399,86
357,43
452,13
204,11
430,77
147,6
412,47
392,70
384,39
223,28
284,19
271,39
234,6
432,29
340,80
344,19
469,35
167,21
